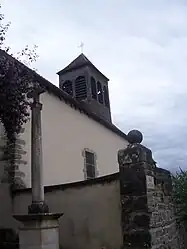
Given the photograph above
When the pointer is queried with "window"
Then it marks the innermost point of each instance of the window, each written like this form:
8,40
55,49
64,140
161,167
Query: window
99,92
68,87
106,98
80,88
90,164
93,88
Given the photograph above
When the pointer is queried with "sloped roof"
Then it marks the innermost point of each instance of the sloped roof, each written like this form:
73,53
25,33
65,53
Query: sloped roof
51,88
79,62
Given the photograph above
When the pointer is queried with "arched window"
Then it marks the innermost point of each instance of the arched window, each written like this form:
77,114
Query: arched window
67,87
93,88
106,97
99,93
80,88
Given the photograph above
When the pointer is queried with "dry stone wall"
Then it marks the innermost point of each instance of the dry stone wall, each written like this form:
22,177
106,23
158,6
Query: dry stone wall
163,225
148,212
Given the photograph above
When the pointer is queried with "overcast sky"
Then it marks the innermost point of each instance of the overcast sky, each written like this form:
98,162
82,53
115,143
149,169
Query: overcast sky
140,45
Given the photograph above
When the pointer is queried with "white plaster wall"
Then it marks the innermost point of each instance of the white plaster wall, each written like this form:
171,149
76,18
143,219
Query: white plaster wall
66,132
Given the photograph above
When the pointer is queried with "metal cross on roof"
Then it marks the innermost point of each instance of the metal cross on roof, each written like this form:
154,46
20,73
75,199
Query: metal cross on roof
81,46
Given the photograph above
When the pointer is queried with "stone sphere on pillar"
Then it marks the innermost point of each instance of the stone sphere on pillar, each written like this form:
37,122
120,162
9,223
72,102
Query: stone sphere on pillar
134,137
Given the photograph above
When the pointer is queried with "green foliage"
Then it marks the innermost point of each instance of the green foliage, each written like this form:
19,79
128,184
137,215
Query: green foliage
3,30
26,55
180,193
16,80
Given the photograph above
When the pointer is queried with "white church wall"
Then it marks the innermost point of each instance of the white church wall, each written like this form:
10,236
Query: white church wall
66,133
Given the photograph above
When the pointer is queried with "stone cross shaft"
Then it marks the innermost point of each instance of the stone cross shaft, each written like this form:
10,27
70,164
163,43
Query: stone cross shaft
38,205
38,228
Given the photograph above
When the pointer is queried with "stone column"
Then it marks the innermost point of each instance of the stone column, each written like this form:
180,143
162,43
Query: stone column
38,205
136,168
39,228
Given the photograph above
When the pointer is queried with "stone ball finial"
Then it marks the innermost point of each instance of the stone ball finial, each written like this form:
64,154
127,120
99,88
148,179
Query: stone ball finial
135,136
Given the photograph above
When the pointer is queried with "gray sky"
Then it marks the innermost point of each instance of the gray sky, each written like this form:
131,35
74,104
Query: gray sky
140,45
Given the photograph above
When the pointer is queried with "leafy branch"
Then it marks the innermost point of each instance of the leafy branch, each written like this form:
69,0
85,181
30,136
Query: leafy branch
180,193
16,80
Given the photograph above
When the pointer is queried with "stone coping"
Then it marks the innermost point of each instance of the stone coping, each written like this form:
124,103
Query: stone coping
99,180
37,217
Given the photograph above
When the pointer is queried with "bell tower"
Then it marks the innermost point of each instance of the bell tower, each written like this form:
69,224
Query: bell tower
85,83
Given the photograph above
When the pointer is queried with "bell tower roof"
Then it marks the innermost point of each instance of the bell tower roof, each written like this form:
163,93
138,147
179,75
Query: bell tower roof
84,82
80,61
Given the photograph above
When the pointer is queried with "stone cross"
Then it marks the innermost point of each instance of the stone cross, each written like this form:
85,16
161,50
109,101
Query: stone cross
38,205
39,228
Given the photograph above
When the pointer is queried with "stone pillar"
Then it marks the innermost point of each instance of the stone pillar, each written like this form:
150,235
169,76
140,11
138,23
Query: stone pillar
38,205
136,168
39,229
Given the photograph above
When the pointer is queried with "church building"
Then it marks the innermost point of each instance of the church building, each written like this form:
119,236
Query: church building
127,205
79,140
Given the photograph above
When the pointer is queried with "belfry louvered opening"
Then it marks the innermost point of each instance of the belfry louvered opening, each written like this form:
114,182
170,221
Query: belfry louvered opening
106,97
93,88
99,92
80,88
67,87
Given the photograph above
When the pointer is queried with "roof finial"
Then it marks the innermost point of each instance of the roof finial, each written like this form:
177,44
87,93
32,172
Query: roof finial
81,46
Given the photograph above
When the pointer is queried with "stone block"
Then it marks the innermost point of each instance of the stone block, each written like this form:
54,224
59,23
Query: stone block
138,239
39,231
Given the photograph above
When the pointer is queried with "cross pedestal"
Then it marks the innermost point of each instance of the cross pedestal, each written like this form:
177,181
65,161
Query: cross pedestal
38,231
39,228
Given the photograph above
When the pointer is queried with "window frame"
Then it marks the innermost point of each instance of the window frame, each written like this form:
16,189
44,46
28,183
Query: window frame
86,177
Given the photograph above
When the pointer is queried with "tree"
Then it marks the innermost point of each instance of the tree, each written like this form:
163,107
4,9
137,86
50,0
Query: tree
26,55
16,80
180,193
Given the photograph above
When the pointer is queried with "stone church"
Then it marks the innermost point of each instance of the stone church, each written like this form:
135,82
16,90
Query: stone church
127,201
80,141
